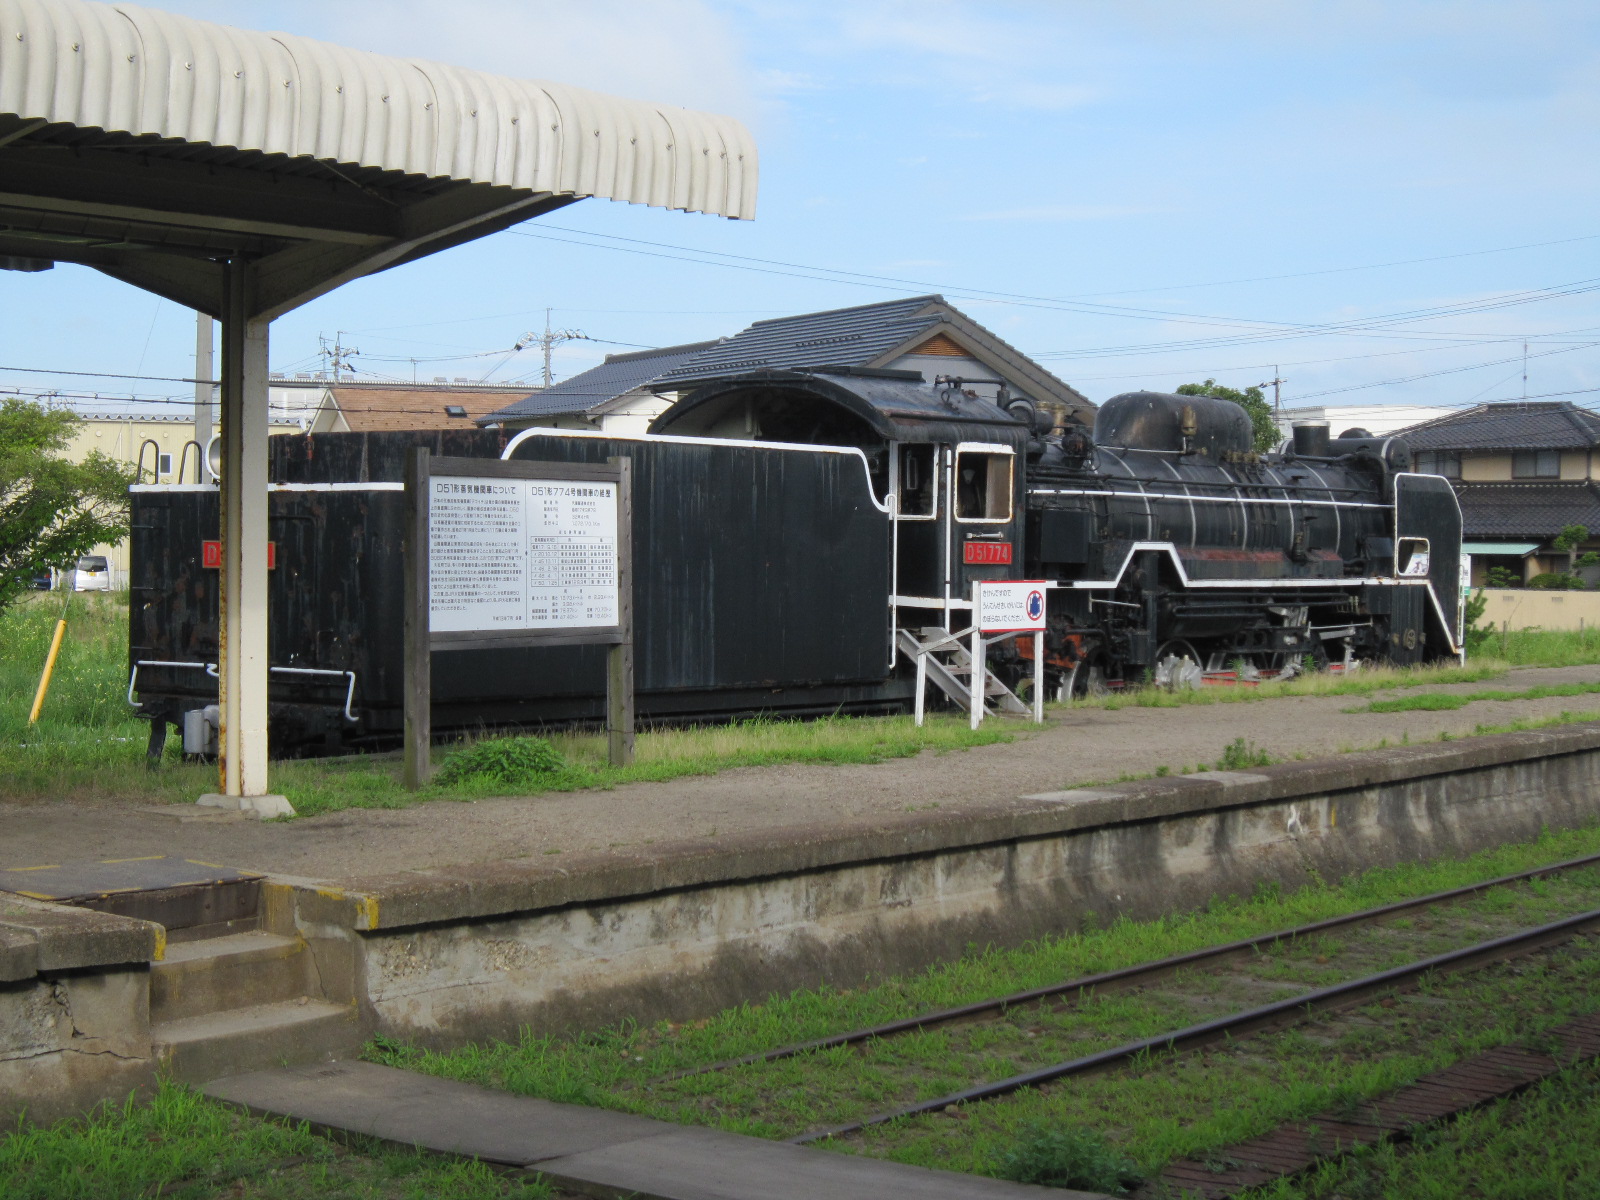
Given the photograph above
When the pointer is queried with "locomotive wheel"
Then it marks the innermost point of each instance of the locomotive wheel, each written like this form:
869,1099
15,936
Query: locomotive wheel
1087,678
1179,648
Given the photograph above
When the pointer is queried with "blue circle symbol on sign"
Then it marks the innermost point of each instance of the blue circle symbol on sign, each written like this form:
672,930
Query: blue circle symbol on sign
1035,605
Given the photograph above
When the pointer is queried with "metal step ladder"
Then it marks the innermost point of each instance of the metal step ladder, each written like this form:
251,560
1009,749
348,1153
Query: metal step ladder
949,666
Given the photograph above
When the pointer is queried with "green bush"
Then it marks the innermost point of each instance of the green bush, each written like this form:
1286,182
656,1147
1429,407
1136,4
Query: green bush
1068,1158
1557,581
1504,577
508,761
1239,754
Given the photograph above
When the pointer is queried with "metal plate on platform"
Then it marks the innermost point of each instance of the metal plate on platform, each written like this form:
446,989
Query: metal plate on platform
81,883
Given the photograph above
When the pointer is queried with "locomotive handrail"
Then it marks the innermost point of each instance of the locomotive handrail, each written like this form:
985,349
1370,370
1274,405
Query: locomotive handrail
211,669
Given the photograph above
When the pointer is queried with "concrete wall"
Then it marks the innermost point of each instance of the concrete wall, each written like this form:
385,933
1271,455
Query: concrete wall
1527,608
480,952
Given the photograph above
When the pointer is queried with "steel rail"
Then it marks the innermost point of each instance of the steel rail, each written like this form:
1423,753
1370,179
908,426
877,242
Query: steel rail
1267,1016
1139,973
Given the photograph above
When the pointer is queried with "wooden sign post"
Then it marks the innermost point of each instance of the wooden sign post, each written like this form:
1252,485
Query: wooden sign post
503,554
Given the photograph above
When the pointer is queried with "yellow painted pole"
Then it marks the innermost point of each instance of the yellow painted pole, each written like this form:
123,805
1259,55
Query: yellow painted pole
49,667
50,659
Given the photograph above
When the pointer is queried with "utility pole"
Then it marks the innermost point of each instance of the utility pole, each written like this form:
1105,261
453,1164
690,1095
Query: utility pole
203,341
1277,397
548,341
340,357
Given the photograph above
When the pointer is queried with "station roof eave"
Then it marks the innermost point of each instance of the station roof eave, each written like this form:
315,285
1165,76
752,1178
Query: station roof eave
155,147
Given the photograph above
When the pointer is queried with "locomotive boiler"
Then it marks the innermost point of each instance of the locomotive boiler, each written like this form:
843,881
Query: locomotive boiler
798,535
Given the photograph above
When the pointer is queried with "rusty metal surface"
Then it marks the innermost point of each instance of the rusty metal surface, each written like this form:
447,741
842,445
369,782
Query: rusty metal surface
1298,1146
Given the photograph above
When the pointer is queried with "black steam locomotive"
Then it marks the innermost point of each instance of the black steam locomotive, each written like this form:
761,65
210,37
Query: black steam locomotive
798,536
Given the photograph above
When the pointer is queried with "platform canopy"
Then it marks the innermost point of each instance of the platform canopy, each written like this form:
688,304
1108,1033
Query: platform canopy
242,174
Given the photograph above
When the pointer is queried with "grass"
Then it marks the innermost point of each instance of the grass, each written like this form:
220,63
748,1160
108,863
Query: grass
617,1067
88,744
1446,701
180,1146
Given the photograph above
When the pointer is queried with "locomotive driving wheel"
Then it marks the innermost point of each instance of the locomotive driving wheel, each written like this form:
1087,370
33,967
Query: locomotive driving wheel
1087,677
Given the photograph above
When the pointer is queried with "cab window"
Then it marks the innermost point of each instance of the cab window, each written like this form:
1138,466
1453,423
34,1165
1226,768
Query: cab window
983,486
918,481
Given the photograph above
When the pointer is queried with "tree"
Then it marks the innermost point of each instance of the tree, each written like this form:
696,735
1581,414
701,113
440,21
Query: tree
1262,426
1568,541
52,509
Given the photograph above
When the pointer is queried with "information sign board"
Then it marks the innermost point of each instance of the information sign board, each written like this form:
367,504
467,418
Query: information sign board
502,554
1010,605
521,554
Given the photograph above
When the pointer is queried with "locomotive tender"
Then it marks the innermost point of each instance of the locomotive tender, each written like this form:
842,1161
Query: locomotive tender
798,532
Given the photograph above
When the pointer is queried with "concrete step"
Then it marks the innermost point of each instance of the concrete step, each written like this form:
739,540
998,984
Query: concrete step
236,971
200,1048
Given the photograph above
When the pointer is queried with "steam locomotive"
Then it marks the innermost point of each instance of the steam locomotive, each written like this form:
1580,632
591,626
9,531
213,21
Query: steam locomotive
799,534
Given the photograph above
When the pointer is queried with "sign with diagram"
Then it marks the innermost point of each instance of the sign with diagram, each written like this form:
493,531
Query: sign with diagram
521,554
1010,606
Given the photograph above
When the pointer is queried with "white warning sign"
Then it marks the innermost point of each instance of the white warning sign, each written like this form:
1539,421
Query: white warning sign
1007,606
521,554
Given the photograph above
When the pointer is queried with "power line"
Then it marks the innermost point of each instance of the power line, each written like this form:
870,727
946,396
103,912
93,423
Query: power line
1090,295
1252,331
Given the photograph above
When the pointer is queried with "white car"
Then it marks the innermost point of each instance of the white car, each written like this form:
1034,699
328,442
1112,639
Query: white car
93,574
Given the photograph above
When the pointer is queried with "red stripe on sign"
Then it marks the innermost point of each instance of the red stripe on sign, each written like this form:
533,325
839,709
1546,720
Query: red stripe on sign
990,553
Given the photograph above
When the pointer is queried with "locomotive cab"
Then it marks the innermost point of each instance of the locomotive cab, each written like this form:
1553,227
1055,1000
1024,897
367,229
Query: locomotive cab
946,464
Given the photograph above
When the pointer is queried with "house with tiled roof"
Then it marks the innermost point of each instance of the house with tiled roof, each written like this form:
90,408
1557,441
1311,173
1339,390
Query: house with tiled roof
616,396
922,333
1523,471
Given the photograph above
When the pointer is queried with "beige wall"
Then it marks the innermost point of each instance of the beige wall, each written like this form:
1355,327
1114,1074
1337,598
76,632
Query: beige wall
1524,609
121,439
1575,464
1485,468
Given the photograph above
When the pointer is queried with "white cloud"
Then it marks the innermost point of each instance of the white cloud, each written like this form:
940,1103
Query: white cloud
681,52
1039,94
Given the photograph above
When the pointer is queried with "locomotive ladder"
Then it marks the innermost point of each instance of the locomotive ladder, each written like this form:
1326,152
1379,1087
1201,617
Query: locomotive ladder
953,672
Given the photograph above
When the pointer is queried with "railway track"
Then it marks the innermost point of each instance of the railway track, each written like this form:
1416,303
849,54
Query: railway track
1138,975
1263,1017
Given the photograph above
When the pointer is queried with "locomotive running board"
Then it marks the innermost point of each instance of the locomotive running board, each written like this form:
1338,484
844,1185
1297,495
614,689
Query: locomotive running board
947,674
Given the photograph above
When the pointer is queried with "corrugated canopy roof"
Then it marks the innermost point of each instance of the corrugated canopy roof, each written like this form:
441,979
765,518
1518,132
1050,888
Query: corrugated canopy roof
164,78
1518,425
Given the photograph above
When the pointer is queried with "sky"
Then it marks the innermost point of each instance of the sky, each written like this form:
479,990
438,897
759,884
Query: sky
1375,203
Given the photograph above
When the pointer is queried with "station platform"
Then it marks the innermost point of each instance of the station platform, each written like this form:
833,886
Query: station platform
217,946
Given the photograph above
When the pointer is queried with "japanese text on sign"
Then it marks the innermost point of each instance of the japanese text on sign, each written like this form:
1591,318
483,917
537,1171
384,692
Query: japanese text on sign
521,554
1006,606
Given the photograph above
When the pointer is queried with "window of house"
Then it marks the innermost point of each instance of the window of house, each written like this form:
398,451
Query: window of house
918,484
1439,462
983,486
1535,464
163,464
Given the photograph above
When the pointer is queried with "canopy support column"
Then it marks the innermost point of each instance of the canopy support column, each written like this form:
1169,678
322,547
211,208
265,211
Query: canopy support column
242,637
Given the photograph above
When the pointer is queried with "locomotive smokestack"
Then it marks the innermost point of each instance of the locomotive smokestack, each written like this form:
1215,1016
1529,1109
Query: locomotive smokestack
1311,439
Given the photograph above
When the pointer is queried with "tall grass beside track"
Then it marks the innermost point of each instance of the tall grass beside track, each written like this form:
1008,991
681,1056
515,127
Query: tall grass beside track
89,745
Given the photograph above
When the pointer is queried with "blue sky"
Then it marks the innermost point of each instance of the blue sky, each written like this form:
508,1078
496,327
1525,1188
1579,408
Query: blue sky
1221,173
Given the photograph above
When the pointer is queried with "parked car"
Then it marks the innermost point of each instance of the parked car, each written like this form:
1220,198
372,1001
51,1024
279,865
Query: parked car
42,580
93,574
